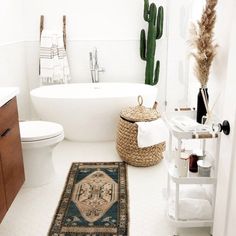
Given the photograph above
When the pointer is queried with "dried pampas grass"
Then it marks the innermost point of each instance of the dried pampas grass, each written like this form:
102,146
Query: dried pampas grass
203,43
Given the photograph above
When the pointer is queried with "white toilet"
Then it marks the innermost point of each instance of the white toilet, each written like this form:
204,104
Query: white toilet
38,139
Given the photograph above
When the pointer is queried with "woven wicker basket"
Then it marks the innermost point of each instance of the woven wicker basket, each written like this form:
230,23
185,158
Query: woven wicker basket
126,141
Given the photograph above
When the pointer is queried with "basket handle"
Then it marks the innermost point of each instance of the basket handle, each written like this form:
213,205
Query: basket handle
140,100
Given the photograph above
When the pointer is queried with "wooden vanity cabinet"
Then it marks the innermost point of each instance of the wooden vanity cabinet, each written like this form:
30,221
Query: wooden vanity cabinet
11,160
3,205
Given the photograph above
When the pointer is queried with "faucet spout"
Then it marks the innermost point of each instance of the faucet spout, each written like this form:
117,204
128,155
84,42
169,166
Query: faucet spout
94,66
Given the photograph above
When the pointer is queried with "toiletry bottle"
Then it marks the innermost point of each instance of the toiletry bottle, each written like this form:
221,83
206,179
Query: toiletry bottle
193,167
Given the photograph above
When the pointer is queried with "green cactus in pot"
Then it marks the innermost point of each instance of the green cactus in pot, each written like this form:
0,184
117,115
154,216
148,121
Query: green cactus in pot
148,46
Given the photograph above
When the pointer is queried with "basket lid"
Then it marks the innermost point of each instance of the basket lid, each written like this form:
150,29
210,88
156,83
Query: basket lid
139,113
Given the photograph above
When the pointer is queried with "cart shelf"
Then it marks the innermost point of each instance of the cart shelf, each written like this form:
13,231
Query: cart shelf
203,132
192,178
190,223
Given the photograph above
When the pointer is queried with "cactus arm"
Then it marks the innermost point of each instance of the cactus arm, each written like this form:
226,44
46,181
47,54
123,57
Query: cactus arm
157,72
143,45
146,10
160,20
152,14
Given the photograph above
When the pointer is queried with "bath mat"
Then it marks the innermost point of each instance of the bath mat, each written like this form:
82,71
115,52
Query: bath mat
94,201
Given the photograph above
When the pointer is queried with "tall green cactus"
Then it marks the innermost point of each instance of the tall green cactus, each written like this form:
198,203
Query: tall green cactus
148,46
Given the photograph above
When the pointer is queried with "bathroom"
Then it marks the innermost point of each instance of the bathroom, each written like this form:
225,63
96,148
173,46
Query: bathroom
113,28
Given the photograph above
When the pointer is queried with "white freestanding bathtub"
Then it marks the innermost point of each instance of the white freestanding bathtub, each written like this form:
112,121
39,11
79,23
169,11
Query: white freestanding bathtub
89,111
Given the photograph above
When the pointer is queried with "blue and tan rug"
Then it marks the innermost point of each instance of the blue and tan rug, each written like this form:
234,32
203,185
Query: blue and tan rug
94,201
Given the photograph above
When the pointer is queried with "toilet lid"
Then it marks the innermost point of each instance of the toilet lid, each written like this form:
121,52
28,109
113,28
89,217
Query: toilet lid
39,130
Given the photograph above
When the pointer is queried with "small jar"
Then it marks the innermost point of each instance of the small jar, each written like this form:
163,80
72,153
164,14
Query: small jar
193,167
204,168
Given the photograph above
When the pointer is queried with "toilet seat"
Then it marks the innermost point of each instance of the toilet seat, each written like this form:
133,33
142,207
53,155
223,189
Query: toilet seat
36,131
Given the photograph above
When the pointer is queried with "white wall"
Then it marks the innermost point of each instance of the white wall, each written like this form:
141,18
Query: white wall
225,14
12,55
87,20
113,26
180,14
11,22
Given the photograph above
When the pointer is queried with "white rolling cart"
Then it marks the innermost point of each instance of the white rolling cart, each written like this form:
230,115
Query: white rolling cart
175,179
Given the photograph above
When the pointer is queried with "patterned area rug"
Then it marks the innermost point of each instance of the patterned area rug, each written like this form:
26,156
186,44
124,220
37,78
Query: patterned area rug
94,201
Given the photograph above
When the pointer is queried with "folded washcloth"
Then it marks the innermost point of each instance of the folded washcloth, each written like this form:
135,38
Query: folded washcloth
151,133
192,209
54,67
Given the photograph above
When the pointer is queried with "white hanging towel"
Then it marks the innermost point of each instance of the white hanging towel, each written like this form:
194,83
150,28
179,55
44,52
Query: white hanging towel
151,133
54,68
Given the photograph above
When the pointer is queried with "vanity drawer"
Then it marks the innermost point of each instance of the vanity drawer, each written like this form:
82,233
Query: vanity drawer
12,161
8,115
3,203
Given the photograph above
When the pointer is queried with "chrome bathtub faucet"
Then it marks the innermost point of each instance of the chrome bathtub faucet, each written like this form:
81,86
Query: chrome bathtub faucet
94,66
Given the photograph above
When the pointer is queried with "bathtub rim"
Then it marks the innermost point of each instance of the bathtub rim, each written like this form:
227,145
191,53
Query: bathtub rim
36,92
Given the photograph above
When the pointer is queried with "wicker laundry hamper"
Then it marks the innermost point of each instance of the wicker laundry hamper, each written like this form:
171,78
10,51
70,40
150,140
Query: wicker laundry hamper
126,140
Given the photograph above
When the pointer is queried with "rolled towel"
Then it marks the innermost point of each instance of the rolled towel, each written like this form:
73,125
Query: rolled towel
151,133
192,191
192,209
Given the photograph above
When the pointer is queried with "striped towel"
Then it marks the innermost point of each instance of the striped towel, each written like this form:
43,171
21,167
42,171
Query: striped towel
54,67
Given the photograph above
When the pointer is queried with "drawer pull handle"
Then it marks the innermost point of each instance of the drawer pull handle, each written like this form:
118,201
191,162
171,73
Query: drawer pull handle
4,133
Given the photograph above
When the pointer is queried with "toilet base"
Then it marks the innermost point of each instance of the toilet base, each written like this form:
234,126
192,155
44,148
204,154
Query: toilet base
38,166
38,139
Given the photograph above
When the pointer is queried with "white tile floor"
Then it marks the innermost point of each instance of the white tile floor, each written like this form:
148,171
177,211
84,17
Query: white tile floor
32,211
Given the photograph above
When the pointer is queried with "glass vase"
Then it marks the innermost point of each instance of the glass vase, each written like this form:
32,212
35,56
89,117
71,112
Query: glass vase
201,107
